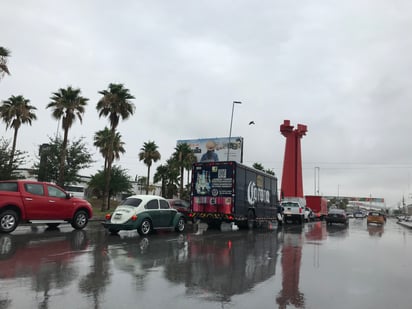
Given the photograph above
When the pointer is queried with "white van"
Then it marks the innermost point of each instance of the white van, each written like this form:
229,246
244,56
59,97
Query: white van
76,190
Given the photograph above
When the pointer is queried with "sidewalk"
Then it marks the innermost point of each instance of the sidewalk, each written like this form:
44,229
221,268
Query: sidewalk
407,224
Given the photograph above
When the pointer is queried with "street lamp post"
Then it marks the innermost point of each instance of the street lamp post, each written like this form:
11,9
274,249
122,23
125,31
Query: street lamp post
317,176
230,131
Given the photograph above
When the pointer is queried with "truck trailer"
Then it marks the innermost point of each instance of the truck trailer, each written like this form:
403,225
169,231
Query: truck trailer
231,192
318,204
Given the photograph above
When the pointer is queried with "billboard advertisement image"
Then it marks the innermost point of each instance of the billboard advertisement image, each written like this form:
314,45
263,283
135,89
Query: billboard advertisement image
216,148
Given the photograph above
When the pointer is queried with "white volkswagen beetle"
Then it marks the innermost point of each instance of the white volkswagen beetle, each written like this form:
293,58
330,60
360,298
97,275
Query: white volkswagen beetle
144,213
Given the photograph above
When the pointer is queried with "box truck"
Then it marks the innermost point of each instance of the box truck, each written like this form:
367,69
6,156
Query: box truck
228,191
318,204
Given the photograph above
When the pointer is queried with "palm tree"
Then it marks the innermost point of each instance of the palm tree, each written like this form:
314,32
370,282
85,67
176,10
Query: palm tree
168,174
102,140
184,158
14,112
67,104
161,175
114,104
110,147
4,54
149,154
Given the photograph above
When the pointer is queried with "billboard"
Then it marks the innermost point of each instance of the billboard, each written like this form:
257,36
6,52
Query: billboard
216,148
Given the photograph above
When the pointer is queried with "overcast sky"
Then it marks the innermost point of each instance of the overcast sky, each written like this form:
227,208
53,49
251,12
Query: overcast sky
343,68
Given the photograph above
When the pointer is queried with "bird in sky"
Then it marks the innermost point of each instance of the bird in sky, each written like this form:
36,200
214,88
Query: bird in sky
252,122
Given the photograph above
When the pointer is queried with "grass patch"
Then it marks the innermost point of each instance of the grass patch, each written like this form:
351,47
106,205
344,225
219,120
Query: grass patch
97,205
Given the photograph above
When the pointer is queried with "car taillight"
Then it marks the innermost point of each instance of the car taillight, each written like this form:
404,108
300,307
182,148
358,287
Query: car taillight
108,216
134,218
300,210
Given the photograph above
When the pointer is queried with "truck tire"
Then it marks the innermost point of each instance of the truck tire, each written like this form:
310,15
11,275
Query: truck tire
145,228
80,220
250,219
8,221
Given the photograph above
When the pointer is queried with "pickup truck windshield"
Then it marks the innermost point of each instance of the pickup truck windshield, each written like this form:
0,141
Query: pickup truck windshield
290,204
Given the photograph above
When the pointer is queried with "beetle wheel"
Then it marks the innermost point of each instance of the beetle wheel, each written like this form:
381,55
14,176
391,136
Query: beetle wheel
145,227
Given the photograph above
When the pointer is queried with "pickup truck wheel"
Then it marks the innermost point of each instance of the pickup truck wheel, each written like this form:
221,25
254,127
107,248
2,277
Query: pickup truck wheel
80,220
180,225
8,221
145,227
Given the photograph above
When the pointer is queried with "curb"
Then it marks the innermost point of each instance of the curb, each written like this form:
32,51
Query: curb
408,225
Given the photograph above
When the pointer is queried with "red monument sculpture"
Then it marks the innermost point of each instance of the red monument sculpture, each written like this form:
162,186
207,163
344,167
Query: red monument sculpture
292,183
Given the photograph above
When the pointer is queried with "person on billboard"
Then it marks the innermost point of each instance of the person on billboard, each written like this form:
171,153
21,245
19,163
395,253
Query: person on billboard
210,155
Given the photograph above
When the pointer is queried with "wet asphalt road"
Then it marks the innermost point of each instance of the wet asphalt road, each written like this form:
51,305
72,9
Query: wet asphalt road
313,266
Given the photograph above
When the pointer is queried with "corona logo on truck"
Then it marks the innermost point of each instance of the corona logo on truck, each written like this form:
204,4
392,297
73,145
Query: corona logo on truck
227,191
255,194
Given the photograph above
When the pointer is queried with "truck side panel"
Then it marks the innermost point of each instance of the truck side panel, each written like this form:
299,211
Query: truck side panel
318,204
255,191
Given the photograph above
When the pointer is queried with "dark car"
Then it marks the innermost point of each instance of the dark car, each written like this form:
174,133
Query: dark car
183,207
337,216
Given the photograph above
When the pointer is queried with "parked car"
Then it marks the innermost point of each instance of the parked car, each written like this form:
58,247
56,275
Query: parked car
183,207
337,216
375,217
145,213
29,201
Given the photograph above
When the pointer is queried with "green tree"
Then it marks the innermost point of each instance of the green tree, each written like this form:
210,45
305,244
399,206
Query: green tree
4,55
119,182
78,157
184,158
104,140
6,170
168,175
67,104
14,112
270,172
149,154
114,104
161,176
110,147
258,166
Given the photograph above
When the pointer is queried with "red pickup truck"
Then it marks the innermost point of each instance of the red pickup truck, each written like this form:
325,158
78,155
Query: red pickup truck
30,201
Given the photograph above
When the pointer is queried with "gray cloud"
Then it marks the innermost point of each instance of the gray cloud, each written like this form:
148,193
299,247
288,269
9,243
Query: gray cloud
341,68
